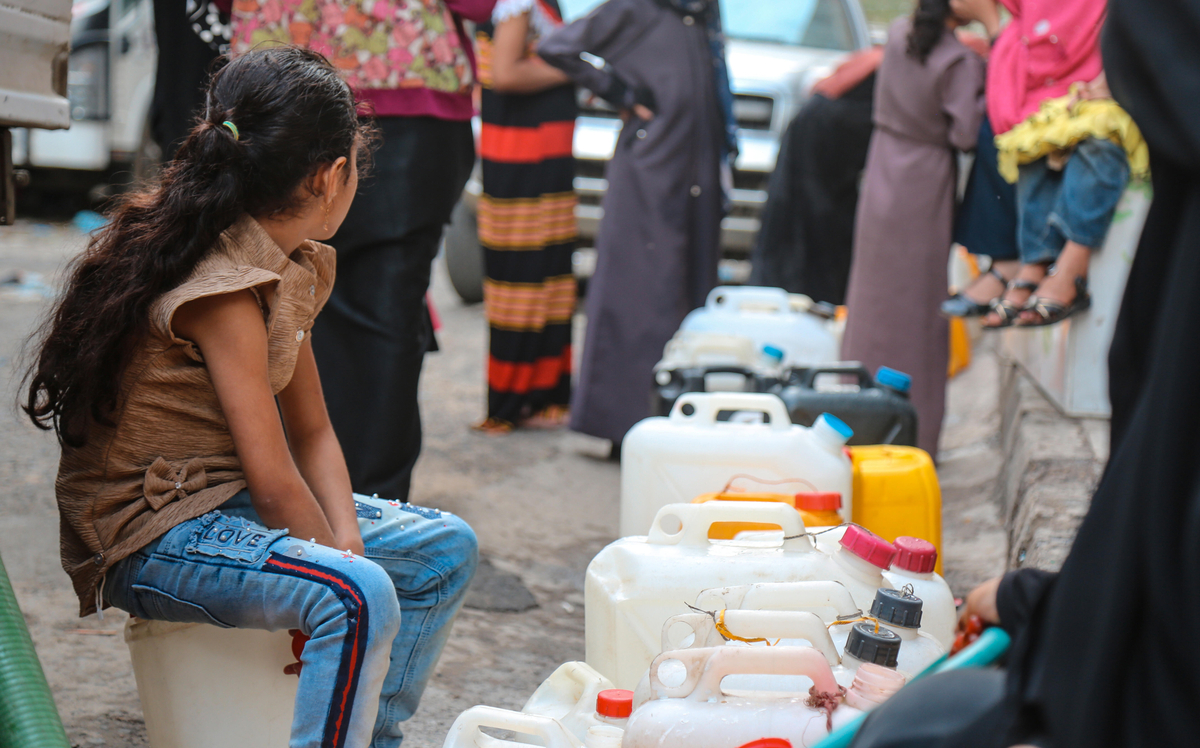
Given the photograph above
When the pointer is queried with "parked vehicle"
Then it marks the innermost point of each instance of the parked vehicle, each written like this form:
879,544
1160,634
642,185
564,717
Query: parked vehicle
34,50
109,83
775,51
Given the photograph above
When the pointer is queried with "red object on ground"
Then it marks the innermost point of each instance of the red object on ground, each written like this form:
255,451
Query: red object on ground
769,743
915,555
616,703
433,315
868,546
967,635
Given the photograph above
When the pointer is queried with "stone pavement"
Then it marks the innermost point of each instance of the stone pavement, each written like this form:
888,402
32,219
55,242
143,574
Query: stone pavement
543,504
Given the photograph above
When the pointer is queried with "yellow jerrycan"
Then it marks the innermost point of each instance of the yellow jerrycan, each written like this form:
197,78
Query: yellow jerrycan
896,493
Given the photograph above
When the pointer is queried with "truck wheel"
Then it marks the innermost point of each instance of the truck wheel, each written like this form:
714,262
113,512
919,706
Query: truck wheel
464,256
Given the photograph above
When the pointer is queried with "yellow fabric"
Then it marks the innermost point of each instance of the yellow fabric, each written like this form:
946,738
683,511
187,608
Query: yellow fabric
1058,125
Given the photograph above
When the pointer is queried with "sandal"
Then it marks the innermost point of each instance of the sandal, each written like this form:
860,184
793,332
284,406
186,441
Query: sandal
548,418
493,426
1007,311
961,305
1051,312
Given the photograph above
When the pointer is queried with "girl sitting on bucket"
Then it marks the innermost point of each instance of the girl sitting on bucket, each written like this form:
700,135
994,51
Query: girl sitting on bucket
200,479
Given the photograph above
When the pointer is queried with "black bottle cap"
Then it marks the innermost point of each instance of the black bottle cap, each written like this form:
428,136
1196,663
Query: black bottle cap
897,608
881,647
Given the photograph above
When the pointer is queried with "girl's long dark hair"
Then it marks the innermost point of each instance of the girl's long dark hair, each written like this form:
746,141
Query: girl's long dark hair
292,113
928,25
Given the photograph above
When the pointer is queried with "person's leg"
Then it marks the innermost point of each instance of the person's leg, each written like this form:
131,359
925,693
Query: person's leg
431,557
986,223
371,338
230,572
1038,241
932,712
1092,183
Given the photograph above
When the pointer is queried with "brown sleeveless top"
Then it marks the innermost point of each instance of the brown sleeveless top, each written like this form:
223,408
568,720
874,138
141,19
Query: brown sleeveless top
169,457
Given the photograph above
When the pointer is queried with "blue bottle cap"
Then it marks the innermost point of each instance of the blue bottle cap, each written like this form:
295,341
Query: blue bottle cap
837,424
772,352
896,380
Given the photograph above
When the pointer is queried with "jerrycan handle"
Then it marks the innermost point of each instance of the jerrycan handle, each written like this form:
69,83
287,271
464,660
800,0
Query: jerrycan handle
466,732
807,375
706,667
701,624
783,624
586,681
809,595
701,408
733,298
695,520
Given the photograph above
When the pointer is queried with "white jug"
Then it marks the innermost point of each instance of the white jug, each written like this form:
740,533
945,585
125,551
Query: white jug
913,565
466,732
666,460
702,713
766,316
570,695
203,686
635,584
688,349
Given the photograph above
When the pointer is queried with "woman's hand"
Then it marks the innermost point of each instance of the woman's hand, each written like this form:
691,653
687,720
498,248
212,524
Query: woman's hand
640,111
514,69
981,602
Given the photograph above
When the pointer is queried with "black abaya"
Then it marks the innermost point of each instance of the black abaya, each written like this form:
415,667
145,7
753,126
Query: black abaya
1105,657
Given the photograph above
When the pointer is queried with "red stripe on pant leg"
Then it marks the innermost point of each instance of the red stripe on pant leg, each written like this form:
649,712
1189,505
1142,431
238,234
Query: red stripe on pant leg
543,374
354,638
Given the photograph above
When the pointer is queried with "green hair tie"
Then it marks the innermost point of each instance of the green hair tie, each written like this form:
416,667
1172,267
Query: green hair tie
233,129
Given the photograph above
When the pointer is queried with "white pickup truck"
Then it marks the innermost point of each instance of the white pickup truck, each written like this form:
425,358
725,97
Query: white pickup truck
34,49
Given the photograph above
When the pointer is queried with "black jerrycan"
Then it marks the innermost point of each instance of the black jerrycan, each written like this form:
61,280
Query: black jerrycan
877,408
669,384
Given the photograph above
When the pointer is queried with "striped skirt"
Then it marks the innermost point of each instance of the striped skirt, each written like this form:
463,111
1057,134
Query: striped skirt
527,227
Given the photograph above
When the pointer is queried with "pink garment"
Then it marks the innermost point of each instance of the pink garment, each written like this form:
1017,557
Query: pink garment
1048,45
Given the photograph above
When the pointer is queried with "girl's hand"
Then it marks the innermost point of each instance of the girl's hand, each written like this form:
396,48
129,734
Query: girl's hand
981,603
352,543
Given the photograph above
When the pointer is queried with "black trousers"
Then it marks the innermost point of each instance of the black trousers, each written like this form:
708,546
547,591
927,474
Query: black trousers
932,712
371,338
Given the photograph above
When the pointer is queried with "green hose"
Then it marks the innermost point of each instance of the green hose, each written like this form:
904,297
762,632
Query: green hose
28,717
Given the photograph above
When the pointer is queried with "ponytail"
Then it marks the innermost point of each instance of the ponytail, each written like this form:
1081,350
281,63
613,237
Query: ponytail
271,118
928,26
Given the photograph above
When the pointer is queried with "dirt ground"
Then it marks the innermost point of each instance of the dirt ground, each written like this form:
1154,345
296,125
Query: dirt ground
543,503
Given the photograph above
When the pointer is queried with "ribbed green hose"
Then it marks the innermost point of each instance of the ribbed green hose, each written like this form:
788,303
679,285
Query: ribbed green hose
28,717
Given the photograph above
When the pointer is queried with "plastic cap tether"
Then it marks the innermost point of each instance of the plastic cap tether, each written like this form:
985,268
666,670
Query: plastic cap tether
915,555
868,546
819,501
892,379
616,703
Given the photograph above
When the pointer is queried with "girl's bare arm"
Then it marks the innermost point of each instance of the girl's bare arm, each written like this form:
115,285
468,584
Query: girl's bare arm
512,70
230,333
316,450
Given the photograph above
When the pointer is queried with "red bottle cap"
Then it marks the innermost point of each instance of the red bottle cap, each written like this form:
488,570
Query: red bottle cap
769,743
819,501
868,546
615,702
915,555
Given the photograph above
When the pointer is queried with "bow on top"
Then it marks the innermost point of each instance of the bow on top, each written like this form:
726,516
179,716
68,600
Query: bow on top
164,484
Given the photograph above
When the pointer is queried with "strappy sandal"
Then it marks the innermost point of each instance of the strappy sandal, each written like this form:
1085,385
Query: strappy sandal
961,305
1007,311
493,426
1051,312
549,418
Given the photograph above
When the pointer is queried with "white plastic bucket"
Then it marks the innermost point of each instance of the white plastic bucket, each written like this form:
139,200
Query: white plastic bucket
766,316
636,583
202,686
674,459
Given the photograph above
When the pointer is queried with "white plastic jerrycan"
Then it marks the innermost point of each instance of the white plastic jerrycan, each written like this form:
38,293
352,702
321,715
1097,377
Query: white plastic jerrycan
687,349
203,686
828,599
674,459
635,584
467,730
766,316
910,650
580,698
914,565
702,712
753,628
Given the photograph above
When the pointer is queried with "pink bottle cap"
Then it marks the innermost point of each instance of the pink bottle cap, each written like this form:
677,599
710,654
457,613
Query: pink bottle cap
616,703
868,546
915,555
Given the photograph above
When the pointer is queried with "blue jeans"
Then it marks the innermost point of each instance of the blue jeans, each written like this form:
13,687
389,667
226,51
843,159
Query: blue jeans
377,624
1076,204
